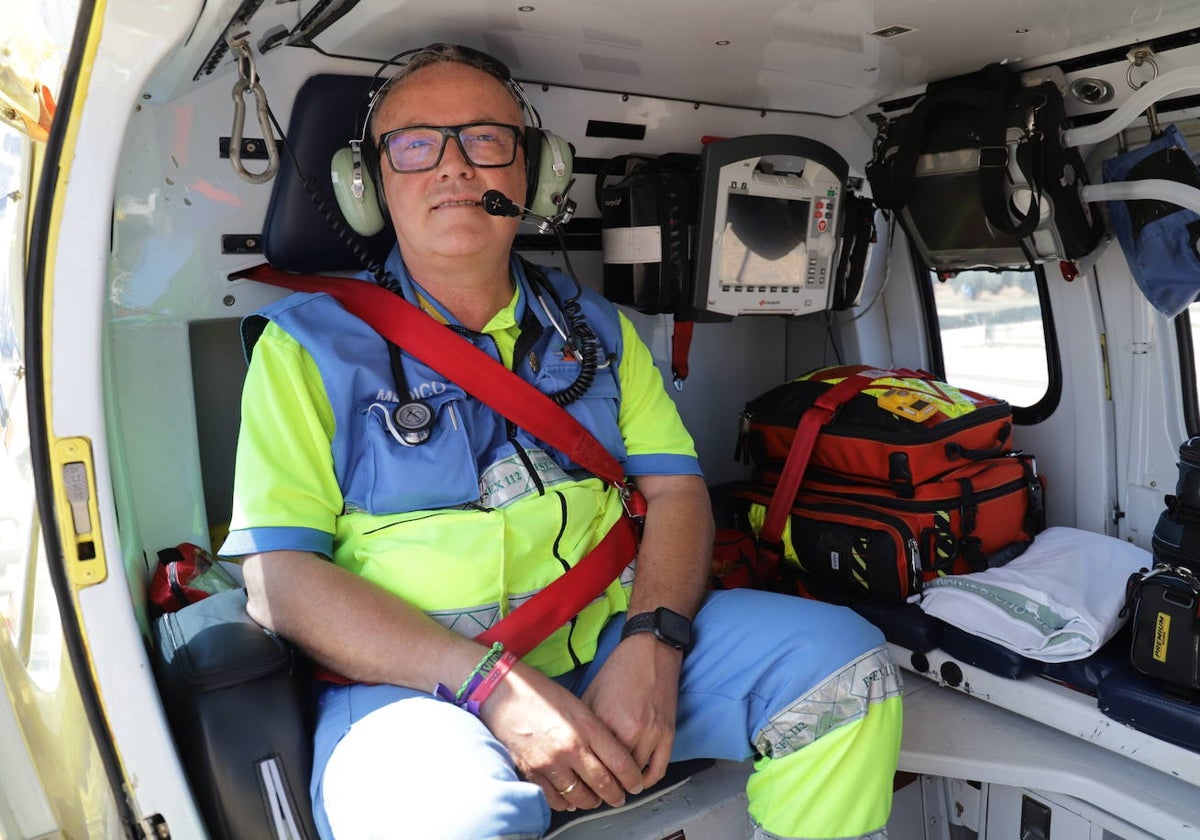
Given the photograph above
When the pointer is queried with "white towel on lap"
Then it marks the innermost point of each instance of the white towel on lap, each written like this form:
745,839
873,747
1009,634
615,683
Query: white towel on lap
1058,601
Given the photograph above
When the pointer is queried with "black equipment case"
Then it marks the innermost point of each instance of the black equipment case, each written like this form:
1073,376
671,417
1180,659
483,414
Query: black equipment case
979,177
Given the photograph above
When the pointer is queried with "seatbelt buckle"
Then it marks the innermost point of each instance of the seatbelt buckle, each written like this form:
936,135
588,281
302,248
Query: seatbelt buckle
634,503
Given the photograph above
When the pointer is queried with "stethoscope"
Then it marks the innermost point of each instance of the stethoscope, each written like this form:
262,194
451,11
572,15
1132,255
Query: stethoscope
410,421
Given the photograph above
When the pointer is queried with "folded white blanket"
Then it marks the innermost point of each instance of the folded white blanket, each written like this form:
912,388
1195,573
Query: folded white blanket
1057,602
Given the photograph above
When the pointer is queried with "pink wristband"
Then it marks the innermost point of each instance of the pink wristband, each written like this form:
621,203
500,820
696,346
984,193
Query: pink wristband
484,690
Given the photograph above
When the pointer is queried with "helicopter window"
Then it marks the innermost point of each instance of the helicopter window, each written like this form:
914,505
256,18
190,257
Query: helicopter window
992,332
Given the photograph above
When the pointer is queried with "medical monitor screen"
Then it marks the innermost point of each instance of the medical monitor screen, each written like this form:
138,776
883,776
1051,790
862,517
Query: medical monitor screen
767,235
764,242
948,213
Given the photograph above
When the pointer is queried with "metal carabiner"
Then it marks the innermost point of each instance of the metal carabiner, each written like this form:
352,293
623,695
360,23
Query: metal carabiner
239,121
248,81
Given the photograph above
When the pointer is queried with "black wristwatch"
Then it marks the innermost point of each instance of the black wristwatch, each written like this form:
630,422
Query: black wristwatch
670,627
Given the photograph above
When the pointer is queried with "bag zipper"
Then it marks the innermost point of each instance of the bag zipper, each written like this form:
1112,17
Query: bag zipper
916,435
923,506
910,574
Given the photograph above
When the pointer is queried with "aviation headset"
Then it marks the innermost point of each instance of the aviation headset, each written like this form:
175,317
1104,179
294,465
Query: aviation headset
355,169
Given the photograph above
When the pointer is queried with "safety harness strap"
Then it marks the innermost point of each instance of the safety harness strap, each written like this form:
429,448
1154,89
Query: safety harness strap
503,391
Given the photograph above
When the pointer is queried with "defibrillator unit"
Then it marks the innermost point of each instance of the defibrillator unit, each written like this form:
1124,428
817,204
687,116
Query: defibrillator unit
770,210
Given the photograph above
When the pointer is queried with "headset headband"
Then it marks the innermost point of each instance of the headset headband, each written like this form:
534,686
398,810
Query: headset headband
478,59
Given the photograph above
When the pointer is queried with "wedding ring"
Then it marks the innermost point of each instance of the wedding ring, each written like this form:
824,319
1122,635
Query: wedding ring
567,790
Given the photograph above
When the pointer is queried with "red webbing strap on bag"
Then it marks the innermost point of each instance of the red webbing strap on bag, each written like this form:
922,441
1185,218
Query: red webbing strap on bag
500,389
770,536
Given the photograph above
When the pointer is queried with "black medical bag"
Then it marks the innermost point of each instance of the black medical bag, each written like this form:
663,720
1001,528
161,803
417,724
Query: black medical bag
648,216
1165,600
979,177
1176,539
1166,624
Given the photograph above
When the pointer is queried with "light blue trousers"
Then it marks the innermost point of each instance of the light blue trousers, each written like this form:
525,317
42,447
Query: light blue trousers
391,762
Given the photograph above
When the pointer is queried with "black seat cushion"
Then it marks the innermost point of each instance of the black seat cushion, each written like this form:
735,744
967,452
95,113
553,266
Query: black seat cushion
1087,674
985,654
902,624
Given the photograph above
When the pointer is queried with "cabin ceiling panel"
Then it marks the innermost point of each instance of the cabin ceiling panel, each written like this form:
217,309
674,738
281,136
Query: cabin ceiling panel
799,55
786,55
817,56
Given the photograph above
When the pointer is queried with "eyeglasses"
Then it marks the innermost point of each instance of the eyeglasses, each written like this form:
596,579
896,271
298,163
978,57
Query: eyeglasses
419,148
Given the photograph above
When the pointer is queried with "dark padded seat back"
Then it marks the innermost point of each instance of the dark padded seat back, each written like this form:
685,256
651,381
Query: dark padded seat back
240,710
297,234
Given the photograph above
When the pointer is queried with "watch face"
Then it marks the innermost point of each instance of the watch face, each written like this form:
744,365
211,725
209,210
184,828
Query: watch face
674,628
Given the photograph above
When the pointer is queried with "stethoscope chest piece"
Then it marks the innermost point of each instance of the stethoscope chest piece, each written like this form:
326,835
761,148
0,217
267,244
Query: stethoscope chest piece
413,421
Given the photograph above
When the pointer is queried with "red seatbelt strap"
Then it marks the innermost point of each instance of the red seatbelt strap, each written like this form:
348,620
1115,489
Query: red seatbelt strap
500,389
819,414
681,345
487,380
524,628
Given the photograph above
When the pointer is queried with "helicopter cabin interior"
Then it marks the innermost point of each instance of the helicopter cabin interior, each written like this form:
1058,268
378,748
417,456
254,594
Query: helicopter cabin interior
192,142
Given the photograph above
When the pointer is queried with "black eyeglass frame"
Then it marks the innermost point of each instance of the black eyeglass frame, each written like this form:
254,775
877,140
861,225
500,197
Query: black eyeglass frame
448,131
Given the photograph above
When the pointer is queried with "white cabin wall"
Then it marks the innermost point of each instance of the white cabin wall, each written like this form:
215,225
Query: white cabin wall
80,361
887,328
1144,362
1074,445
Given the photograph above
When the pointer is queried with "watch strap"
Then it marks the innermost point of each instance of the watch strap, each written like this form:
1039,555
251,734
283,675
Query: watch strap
640,623
669,627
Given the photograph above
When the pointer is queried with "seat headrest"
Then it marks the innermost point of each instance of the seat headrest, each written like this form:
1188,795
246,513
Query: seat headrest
296,234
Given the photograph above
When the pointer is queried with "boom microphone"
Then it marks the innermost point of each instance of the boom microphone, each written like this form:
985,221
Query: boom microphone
496,203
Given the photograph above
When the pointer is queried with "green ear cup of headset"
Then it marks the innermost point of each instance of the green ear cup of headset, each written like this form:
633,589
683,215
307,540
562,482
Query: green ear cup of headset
553,175
361,213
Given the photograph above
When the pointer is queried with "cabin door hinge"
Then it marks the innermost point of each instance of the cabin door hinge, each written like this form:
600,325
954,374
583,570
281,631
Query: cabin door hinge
154,827
1117,514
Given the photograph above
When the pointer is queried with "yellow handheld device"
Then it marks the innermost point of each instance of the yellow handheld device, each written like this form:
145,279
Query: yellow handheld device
907,404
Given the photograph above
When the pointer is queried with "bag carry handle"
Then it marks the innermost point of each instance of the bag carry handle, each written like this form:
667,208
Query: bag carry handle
957,450
818,415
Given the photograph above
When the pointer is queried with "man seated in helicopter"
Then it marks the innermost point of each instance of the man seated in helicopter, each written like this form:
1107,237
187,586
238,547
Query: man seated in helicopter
438,528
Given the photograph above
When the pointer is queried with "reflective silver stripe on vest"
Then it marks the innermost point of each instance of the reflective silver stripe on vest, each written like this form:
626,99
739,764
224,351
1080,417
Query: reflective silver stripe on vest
508,480
471,621
761,833
841,699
